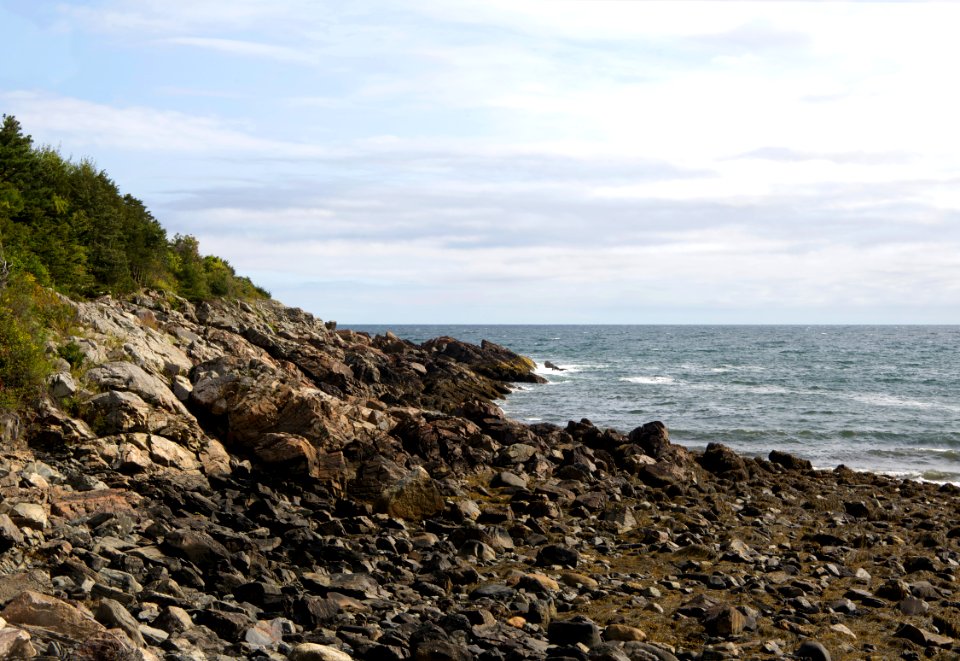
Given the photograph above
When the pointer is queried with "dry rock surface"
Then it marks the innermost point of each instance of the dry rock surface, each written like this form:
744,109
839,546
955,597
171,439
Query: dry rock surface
244,481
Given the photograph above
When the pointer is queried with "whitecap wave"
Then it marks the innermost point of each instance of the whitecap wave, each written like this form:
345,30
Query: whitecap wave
649,380
886,400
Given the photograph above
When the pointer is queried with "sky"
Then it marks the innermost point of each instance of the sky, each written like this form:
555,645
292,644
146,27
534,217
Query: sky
520,161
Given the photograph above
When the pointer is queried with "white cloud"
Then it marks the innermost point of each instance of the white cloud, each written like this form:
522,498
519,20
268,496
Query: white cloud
137,128
756,154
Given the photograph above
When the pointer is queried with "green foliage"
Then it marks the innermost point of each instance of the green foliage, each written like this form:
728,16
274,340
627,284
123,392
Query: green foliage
72,353
69,227
26,309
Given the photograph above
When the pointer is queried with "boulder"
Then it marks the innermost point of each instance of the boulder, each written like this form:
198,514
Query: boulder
789,461
414,496
723,461
39,610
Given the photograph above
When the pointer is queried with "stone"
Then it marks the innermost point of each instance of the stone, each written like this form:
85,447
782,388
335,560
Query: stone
508,479
132,459
264,635
414,496
129,377
316,652
576,580
623,632
10,535
16,644
228,625
537,583
922,637
811,650
72,504
181,387
111,613
843,630
723,461
196,546
39,610
556,554
576,630
117,412
152,635
724,621
173,619
29,515
62,385
165,452
789,461
913,606
285,451
440,650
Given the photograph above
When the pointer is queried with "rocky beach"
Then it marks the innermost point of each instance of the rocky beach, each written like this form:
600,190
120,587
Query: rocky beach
235,480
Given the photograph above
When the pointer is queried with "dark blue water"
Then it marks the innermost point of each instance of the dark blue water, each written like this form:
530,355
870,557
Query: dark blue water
882,398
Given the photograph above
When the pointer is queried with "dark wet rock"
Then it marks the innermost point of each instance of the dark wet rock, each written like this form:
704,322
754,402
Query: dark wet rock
721,460
724,621
196,546
789,461
230,626
441,650
555,554
576,630
922,637
812,650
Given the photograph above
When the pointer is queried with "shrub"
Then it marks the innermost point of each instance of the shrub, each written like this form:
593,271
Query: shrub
27,313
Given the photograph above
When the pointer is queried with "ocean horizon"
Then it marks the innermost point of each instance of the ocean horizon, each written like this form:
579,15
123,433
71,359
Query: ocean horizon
879,397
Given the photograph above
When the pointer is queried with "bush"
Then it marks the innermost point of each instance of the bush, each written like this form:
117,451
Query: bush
27,313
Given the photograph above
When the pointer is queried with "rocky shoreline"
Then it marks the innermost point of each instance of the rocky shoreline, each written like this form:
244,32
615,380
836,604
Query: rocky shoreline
242,480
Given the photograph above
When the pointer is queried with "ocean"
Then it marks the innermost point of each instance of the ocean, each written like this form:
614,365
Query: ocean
878,398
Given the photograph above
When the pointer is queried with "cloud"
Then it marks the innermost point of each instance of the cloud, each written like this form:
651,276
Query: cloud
540,157
244,48
138,128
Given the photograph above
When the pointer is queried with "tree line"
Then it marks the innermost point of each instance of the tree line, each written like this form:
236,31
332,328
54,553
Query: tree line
65,227
69,227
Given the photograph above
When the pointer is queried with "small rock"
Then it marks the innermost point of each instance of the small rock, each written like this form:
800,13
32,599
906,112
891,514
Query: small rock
40,610
623,632
508,479
578,629
913,606
724,621
555,554
922,637
111,613
29,515
413,497
315,652
843,630
811,650
15,644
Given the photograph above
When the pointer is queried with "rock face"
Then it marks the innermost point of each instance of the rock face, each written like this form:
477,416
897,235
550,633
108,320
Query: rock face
242,480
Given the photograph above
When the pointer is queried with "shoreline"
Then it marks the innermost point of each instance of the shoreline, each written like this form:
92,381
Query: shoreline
242,480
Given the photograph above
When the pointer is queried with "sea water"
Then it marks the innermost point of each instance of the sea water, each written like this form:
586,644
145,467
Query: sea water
880,398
